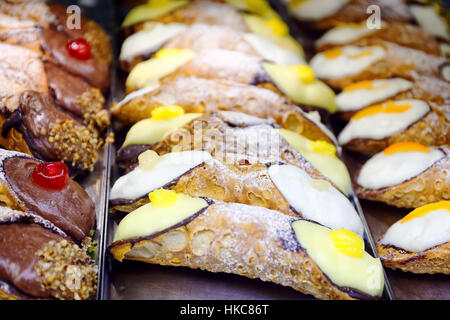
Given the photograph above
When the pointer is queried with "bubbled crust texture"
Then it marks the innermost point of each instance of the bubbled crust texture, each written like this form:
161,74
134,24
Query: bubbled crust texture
200,37
252,140
398,62
403,34
229,183
205,12
235,239
355,11
201,95
430,186
434,260
432,130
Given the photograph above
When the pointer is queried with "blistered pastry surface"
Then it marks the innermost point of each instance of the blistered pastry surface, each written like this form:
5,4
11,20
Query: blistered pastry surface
432,185
20,70
217,239
202,95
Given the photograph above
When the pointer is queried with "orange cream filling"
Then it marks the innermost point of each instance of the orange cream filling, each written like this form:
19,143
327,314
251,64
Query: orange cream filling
405,147
333,53
362,85
422,211
389,107
361,54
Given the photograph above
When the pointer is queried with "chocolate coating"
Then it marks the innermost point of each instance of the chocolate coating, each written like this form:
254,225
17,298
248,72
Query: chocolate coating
19,244
70,209
97,74
66,88
34,116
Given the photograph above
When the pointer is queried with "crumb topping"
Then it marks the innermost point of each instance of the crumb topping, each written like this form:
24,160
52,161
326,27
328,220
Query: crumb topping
66,271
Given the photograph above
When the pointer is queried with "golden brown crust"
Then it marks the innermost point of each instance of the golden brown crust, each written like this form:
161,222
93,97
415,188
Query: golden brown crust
403,34
239,171
430,186
14,140
398,62
228,183
7,296
434,260
199,11
432,130
235,239
207,96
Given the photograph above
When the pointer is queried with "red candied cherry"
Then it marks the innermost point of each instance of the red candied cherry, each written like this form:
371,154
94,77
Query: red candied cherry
79,49
51,175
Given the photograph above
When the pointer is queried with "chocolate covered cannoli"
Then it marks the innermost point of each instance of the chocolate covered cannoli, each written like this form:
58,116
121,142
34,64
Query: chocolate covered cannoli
406,175
46,220
53,197
38,261
250,241
83,51
374,128
47,112
341,66
420,242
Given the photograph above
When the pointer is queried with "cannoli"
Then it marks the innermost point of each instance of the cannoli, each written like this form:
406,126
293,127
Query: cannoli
84,52
342,66
285,188
38,261
326,14
403,34
46,220
198,11
178,230
31,122
420,242
44,189
298,83
428,18
362,94
406,175
374,128
197,95
199,37
237,138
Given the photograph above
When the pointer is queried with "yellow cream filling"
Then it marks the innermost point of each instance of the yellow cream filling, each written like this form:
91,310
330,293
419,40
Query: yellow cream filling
347,242
363,273
164,63
153,9
322,156
258,7
150,131
271,29
163,198
150,219
301,87
167,112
